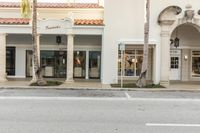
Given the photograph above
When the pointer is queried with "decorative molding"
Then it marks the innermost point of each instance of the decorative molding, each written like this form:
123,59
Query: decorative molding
174,9
167,22
199,12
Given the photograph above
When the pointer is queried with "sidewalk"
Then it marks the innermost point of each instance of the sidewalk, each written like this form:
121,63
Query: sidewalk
76,85
94,85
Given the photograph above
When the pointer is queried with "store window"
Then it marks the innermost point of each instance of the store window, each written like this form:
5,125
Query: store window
195,63
53,63
10,61
132,62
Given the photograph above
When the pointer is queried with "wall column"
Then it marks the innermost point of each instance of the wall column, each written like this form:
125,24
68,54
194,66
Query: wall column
70,58
156,64
3,58
165,52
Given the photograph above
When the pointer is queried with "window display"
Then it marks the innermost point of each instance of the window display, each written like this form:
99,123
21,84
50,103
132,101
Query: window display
195,63
79,64
132,62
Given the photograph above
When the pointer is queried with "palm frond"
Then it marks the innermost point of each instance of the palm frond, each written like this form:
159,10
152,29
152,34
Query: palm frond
25,8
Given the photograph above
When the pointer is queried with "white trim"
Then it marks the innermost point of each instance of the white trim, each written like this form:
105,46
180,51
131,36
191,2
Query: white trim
88,27
171,125
16,76
138,41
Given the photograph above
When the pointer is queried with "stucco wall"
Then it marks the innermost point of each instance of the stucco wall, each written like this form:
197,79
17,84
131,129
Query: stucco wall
185,71
124,21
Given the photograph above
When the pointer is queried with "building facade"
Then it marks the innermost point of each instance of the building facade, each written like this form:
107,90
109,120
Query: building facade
69,38
85,41
169,20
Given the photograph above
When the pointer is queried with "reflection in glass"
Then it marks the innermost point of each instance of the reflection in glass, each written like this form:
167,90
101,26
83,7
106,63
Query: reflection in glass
29,68
132,61
10,60
94,64
79,64
174,62
53,63
196,66
129,65
138,63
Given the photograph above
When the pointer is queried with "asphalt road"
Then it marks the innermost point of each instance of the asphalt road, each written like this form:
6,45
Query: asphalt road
31,111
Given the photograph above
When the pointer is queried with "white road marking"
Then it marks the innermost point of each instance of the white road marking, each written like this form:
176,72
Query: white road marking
98,99
60,98
127,95
171,125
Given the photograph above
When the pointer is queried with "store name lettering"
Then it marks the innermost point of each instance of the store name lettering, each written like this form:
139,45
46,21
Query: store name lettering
53,27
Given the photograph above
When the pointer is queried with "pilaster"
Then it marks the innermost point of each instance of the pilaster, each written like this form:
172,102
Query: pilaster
165,52
3,58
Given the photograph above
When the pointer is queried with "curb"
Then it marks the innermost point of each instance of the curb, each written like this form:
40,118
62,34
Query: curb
103,89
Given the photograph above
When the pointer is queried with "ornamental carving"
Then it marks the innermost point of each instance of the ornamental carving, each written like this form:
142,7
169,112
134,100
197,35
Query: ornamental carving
199,12
189,15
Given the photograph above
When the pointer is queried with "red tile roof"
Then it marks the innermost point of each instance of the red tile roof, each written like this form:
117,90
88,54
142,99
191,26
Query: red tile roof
24,21
95,22
52,5
14,21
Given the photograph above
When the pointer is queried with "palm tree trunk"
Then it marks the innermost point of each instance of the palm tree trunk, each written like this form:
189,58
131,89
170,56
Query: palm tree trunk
141,82
37,69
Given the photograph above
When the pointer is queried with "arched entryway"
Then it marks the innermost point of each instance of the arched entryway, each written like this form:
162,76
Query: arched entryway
176,63
185,54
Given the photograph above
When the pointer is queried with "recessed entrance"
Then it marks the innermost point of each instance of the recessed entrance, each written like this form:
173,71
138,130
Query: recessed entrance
185,59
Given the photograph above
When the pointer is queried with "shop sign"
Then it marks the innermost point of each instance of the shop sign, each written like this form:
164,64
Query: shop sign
53,27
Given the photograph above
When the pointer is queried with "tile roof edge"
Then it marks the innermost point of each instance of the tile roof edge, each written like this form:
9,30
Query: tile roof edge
42,5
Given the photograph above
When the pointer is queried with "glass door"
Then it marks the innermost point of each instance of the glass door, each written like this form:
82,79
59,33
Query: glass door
10,61
94,64
79,64
60,64
53,63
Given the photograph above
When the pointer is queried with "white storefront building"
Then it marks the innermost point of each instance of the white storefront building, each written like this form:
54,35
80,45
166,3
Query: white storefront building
82,40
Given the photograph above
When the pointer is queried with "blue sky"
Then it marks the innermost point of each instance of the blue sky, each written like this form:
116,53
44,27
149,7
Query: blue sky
52,0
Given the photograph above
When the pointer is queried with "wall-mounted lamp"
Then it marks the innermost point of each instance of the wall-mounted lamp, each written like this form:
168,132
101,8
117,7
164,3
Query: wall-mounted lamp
185,57
175,41
58,39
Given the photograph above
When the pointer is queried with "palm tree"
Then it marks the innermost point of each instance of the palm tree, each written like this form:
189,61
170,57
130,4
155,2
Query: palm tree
141,82
26,11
